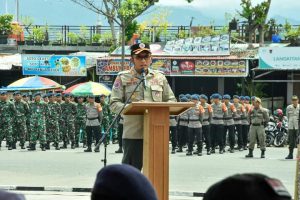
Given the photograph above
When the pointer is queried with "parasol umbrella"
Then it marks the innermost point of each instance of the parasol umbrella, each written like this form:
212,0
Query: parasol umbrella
89,88
34,83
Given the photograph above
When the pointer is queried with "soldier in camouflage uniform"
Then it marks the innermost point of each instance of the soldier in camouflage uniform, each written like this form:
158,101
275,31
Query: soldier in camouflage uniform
38,111
107,116
58,99
7,110
80,122
52,121
155,89
26,99
68,109
19,120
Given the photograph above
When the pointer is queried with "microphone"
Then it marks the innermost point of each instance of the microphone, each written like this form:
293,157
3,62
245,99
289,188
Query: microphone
144,78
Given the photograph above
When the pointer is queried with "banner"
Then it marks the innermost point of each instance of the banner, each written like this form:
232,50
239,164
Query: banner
183,67
285,58
54,65
107,80
111,66
218,45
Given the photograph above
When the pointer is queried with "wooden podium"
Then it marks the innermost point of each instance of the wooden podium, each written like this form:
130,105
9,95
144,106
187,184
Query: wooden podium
156,140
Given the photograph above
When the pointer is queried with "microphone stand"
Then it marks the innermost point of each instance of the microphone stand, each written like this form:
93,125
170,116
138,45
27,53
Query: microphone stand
103,138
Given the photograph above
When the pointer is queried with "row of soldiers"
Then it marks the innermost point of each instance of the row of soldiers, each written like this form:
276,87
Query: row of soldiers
215,121
48,118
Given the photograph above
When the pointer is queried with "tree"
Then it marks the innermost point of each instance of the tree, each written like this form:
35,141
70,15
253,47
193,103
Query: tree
256,17
121,12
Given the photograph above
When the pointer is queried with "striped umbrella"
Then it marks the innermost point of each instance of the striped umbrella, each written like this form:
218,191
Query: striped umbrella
89,88
34,83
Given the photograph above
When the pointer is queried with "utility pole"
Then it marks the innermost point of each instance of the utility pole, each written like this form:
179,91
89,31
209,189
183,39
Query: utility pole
17,10
6,7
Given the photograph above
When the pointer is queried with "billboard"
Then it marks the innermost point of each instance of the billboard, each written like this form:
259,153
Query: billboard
54,65
285,58
183,67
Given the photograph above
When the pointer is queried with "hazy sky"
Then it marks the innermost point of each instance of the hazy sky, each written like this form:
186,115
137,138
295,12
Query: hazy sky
62,12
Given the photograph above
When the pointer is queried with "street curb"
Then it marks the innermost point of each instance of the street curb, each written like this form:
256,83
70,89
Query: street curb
77,189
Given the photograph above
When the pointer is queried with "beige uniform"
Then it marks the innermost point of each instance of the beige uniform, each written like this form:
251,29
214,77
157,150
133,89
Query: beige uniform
258,117
156,90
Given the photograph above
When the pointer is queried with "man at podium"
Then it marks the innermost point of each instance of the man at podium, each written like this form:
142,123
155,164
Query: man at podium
154,87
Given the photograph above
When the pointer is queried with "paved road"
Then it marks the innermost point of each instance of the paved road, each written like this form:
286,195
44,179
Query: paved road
74,168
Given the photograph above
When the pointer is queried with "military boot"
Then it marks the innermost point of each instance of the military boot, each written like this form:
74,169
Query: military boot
262,153
14,146
9,146
290,156
250,155
72,145
120,150
22,145
32,147
47,146
189,153
43,147
64,145
173,151
179,150
89,149
97,149
56,146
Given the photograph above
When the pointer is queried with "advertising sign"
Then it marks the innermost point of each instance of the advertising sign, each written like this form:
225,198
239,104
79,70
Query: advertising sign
184,67
111,66
286,58
107,80
54,65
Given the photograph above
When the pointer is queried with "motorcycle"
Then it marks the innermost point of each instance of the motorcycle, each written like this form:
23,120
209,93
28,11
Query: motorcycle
270,131
281,134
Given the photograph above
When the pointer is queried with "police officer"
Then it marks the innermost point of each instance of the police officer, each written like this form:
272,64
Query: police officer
38,111
183,119
217,122
68,112
173,132
80,122
240,113
93,123
292,113
155,88
259,117
7,111
206,121
229,123
53,118
195,116
19,120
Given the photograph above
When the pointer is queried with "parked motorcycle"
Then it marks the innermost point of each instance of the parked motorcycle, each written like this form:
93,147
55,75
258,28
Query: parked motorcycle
281,134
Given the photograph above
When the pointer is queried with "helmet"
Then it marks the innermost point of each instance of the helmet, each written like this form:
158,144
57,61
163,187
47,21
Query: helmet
279,112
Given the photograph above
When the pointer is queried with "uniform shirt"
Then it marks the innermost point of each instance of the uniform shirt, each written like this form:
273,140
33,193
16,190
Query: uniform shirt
22,109
156,90
7,111
93,114
240,112
219,110
292,114
173,121
228,117
68,111
245,119
259,116
183,119
81,112
54,113
207,114
38,111
195,116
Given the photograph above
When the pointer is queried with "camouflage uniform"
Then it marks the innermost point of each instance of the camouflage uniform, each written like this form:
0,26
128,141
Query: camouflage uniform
68,116
107,116
19,122
38,111
53,118
7,110
157,90
80,123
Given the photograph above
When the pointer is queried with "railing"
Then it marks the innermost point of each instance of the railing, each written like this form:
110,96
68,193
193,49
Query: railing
61,33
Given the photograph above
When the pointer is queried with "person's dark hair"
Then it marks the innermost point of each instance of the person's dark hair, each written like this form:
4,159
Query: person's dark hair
122,182
247,187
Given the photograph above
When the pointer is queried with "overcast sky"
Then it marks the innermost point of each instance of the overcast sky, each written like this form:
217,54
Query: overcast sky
62,12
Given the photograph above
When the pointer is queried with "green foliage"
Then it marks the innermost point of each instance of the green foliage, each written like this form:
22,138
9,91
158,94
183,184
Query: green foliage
291,33
83,34
96,38
252,89
73,37
145,39
130,9
182,34
131,28
5,24
59,37
107,39
38,34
